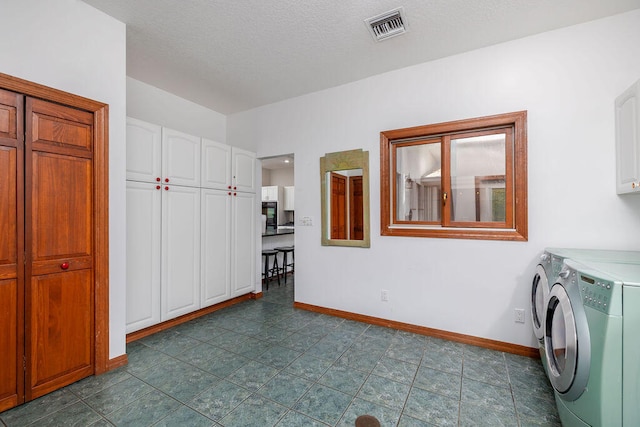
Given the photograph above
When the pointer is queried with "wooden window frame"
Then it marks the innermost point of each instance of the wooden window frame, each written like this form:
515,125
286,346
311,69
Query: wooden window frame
516,228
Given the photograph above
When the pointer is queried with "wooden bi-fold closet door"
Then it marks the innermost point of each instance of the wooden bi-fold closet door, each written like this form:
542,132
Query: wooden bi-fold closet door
59,246
50,290
11,250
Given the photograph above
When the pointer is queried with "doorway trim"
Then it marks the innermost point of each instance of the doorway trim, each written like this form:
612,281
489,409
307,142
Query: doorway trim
101,204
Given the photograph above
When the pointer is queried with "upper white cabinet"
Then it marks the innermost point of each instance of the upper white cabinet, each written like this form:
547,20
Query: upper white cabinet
156,154
216,165
628,140
289,198
227,168
270,193
144,151
243,170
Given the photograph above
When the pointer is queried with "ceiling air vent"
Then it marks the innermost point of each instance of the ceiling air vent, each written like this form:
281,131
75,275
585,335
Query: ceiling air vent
387,25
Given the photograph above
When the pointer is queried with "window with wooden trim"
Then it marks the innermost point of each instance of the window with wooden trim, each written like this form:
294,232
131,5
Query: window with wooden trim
465,179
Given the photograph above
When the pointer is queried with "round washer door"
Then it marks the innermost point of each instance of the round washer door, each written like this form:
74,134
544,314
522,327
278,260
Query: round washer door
539,293
567,341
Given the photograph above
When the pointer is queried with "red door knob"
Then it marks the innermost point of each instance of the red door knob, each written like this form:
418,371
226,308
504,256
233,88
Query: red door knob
64,265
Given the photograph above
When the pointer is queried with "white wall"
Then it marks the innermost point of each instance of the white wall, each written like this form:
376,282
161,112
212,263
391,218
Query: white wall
153,105
566,79
282,177
68,45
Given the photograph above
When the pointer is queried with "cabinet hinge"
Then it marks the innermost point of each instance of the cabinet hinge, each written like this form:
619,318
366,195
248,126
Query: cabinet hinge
24,258
24,363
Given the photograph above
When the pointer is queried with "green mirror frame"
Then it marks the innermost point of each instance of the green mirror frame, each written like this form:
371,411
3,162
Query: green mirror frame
341,161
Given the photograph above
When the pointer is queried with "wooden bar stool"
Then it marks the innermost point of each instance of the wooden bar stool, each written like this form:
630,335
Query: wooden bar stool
285,264
274,270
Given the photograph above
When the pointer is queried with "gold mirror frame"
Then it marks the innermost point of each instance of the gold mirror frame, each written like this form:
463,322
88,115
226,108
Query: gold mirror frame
340,161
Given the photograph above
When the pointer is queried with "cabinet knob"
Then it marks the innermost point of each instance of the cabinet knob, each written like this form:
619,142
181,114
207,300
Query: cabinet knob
235,188
166,188
166,180
157,187
229,187
64,265
633,185
158,179
235,194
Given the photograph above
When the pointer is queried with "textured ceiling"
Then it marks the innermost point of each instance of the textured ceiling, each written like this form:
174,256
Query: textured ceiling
234,55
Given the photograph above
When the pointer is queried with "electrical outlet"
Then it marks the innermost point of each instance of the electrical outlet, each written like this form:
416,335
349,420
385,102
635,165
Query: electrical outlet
306,221
519,315
384,295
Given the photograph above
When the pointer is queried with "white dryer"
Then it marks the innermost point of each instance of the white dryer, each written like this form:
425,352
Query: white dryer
592,339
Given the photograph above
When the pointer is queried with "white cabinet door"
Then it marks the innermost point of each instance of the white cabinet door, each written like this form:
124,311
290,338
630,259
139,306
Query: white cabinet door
180,158
243,170
289,198
215,244
243,245
143,255
628,141
270,193
216,165
144,148
180,279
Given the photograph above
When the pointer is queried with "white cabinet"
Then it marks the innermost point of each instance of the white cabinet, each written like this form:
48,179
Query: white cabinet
144,151
271,193
191,212
289,198
143,255
628,140
180,260
180,158
156,154
243,243
228,244
216,165
163,253
215,246
243,170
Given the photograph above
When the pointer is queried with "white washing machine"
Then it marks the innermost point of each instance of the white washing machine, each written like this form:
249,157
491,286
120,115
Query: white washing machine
551,262
592,343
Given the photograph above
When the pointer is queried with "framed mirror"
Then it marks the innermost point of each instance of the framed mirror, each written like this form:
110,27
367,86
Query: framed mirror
344,190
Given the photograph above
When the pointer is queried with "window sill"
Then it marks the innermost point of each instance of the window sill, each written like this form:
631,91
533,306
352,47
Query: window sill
455,233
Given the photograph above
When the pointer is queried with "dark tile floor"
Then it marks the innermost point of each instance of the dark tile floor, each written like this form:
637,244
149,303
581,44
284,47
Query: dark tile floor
264,363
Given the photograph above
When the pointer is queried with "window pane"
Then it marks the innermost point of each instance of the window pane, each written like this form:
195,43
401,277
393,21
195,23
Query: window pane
478,178
418,183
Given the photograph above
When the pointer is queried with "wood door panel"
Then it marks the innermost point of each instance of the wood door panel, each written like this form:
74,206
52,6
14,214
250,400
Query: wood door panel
61,211
54,127
8,115
8,213
338,206
9,368
356,208
60,330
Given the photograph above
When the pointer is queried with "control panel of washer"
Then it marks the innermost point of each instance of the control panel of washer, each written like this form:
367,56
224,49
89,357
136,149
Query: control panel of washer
596,293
